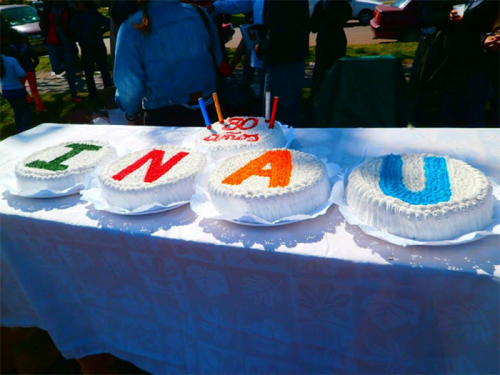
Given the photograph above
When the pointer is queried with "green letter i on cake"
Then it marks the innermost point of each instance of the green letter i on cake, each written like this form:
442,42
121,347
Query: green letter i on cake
63,166
56,164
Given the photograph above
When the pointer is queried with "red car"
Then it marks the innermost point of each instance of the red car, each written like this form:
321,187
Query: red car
401,20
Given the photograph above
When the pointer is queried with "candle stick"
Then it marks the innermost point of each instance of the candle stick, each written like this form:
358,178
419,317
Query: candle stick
268,105
273,114
217,107
205,113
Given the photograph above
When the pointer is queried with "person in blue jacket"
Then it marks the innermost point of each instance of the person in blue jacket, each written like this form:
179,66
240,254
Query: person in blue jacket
166,59
89,25
13,90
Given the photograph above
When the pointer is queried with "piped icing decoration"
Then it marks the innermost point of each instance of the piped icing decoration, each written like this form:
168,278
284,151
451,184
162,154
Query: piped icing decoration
162,175
275,165
240,134
57,163
240,123
270,184
436,189
420,196
156,169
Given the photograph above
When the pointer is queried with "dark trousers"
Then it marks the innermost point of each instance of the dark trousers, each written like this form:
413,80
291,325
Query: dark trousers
464,104
22,113
178,115
62,58
91,56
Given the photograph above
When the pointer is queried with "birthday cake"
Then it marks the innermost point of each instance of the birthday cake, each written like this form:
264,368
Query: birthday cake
270,184
239,134
422,197
62,166
161,175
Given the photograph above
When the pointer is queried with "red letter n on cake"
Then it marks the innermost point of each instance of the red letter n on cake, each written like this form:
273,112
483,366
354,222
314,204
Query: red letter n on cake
156,168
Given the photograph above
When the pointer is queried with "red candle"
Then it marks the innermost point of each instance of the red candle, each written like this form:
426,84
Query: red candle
273,114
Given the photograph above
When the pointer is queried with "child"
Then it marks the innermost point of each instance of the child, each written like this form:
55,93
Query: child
89,25
28,60
14,92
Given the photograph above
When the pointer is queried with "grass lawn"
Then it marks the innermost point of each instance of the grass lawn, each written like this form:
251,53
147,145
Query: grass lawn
59,106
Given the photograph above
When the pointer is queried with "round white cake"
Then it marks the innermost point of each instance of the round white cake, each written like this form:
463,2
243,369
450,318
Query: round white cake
422,197
62,166
271,184
163,175
239,134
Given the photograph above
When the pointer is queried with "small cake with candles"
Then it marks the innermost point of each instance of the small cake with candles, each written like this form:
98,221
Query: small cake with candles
270,184
163,175
237,134
63,166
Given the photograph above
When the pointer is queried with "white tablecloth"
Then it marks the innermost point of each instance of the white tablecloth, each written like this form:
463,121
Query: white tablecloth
174,293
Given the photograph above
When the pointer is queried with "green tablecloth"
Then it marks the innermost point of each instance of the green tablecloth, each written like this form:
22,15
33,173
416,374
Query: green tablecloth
363,92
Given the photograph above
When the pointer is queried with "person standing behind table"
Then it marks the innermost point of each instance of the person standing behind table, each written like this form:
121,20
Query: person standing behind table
464,73
491,43
54,23
120,11
328,20
89,25
165,59
283,47
13,90
28,60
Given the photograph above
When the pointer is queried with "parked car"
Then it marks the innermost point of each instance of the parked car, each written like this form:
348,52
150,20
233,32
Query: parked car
401,20
362,10
24,19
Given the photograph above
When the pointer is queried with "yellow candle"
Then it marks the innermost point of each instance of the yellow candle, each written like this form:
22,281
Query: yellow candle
217,107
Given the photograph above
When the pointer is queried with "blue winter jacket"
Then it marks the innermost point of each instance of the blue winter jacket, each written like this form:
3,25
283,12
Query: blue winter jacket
170,65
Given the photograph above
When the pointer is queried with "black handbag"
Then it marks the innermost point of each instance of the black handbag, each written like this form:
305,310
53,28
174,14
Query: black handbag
430,60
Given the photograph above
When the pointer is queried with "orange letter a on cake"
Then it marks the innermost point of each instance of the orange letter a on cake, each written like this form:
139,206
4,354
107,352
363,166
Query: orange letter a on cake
279,173
156,168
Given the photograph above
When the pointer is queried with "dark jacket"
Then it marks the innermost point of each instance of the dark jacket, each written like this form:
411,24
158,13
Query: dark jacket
45,21
285,36
88,27
25,56
328,20
463,51
121,10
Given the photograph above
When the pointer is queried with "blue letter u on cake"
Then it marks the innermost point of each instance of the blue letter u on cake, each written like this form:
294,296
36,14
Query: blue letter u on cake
436,180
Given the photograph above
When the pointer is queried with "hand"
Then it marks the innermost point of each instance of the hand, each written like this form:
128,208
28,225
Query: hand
492,42
256,49
454,16
137,121
210,8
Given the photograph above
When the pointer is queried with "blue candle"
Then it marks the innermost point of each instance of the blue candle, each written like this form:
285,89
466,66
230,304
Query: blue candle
205,113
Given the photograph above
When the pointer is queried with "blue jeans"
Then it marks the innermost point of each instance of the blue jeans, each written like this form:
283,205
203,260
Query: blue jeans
22,113
285,81
61,59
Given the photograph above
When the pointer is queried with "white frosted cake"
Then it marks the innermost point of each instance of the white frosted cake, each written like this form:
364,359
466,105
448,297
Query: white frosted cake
239,134
62,166
271,184
163,175
422,197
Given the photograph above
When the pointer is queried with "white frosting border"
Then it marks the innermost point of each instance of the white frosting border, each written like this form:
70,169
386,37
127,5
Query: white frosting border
339,198
94,196
201,202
